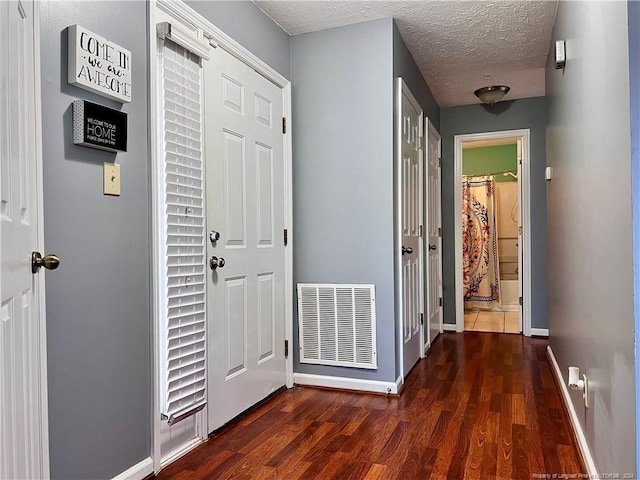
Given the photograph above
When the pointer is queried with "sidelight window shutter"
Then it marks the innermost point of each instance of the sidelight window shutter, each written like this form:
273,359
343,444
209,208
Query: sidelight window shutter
182,271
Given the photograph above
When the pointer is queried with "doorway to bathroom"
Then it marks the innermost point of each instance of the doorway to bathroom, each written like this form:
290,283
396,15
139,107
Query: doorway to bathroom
492,235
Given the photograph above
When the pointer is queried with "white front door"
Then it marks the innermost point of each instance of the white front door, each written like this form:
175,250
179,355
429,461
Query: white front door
245,206
434,239
23,422
411,189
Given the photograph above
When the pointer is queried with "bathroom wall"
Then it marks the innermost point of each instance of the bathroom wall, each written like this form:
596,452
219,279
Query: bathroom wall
507,226
496,158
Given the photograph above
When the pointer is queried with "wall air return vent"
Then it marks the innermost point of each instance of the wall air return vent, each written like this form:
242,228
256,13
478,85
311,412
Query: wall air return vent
337,325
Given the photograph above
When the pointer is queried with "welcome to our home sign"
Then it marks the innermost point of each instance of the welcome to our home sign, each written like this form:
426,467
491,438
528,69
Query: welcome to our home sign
98,65
97,126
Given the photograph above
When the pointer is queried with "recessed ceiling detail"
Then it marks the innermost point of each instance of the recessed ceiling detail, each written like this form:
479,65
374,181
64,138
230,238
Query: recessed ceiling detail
456,44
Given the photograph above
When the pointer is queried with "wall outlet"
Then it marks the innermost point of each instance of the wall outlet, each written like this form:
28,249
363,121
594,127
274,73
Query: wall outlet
111,179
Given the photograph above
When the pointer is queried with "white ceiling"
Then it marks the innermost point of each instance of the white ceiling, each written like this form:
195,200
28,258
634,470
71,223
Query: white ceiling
459,46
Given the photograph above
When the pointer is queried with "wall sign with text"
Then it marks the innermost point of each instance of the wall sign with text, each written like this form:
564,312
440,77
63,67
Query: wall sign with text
98,65
100,127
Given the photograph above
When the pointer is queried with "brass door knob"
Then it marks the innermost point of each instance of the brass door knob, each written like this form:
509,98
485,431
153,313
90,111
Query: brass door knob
50,262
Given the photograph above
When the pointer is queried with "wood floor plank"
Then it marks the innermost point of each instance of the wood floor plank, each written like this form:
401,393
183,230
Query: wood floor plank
481,406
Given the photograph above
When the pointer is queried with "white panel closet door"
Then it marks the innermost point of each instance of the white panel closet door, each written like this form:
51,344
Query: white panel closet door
245,205
23,425
411,192
434,240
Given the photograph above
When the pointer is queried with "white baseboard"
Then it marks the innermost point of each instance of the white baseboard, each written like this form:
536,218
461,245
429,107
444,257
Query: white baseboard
540,332
448,327
575,423
343,383
138,471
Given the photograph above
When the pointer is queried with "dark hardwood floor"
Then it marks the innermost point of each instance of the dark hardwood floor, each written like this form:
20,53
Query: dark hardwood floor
481,406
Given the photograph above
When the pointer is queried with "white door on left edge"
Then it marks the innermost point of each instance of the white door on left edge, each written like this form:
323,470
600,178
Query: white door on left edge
411,190
23,424
245,206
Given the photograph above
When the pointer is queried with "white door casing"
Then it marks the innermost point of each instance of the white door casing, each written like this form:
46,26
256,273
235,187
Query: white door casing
524,239
433,239
410,187
520,239
245,191
24,449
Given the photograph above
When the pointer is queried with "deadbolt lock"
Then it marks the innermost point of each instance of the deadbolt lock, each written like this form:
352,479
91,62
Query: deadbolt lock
214,236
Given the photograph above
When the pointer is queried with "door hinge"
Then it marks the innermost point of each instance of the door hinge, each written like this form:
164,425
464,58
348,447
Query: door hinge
422,319
439,231
520,230
420,231
520,300
440,302
286,237
286,349
284,124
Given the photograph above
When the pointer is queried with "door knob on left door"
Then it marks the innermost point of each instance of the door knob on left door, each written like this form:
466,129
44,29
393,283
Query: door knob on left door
215,262
50,262
408,250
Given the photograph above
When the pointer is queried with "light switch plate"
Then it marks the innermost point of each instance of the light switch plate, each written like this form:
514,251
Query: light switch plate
111,179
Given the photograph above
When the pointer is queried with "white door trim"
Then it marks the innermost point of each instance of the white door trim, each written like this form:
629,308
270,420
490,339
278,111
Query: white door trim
525,207
44,391
180,12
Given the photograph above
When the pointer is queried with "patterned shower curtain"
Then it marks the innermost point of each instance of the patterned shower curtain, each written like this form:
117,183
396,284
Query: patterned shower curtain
481,275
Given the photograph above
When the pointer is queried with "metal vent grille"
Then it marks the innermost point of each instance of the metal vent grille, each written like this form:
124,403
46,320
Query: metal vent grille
337,325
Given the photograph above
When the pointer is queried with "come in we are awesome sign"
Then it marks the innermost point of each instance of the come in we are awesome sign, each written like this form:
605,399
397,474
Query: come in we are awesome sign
98,65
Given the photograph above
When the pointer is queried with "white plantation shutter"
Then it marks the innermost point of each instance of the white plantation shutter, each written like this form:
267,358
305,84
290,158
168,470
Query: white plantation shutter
182,257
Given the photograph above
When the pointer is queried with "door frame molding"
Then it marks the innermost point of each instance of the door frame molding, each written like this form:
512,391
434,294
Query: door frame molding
181,12
525,215
400,88
44,382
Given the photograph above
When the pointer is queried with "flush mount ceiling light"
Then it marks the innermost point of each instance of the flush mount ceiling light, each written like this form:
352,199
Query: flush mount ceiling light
492,94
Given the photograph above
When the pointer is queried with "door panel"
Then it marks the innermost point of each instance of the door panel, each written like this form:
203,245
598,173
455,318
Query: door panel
245,204
410,125
434,239
23,425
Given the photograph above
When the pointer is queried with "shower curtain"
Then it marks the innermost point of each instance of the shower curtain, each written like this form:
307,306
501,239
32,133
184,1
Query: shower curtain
481,275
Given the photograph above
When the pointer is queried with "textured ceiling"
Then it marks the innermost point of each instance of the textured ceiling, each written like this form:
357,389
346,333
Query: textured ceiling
459,46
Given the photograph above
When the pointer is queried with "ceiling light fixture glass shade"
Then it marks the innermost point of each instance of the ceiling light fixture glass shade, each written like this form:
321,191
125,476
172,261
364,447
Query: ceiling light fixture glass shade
492,94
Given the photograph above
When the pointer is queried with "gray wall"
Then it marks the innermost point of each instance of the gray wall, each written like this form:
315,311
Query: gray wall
251,28
518,114
343,171
98,301
591,314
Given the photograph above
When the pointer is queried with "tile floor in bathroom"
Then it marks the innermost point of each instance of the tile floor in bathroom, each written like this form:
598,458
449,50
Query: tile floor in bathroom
482,321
